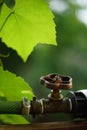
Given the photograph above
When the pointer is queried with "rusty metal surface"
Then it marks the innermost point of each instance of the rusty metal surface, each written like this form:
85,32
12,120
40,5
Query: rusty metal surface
76,125
56,82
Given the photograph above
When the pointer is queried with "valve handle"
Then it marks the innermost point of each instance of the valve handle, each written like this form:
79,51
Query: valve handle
56,81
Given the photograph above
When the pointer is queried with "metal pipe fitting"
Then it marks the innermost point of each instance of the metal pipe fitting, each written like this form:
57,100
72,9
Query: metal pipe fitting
44,106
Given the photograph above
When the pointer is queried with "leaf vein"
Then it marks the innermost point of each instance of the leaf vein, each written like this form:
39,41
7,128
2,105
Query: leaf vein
6,20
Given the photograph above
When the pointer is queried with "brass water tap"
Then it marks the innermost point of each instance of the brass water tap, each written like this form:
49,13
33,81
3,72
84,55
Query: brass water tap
56,83
55,102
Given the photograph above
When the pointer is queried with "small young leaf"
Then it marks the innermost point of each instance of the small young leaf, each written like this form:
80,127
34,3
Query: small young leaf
30,22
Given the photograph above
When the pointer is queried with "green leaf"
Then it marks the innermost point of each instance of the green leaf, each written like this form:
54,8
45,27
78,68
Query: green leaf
30,22
13,119
13,88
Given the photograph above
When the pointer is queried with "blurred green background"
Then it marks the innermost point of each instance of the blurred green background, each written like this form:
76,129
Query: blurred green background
69,57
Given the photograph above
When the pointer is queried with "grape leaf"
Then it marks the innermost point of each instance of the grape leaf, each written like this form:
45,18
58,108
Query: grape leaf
13,119
30,22
13,88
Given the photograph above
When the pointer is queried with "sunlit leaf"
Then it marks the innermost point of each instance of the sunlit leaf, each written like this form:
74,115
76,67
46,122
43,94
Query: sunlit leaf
13,119
30,22
13,88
